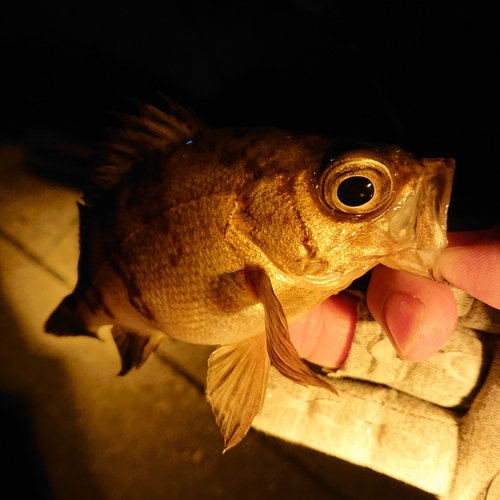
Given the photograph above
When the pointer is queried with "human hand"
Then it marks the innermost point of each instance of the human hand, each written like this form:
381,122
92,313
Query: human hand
418,315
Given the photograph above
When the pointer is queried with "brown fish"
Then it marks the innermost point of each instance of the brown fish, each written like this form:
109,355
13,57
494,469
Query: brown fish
222,236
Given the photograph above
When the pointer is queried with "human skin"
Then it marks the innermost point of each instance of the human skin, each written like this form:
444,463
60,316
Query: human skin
417,314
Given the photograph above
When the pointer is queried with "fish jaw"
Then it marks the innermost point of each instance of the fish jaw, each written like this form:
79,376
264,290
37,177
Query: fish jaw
419,224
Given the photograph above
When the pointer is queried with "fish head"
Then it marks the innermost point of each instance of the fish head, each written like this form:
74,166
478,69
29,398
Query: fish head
381,205
363,205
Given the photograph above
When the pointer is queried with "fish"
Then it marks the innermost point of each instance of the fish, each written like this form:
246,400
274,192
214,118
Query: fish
223,236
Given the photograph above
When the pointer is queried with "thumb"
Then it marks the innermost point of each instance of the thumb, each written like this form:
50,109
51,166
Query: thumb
472,263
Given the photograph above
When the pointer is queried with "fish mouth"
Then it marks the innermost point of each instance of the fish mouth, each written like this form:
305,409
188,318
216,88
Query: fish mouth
419,225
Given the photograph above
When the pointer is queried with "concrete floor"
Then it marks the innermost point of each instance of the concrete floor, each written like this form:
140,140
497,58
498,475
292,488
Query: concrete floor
71,429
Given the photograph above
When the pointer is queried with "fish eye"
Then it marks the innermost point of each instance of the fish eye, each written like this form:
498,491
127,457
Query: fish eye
355,191
356,184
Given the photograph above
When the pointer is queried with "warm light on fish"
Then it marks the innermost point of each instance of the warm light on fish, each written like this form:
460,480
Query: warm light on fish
222,236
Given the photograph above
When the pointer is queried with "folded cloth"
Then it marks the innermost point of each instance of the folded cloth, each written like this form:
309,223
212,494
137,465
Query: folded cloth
433,424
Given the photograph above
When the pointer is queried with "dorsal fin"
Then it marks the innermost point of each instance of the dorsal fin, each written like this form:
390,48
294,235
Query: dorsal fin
153,132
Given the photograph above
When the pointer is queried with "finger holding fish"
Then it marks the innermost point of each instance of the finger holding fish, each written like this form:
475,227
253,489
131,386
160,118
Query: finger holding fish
397,301
470,262
418,315
324,335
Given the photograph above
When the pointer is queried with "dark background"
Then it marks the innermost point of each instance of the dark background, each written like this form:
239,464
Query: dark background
421,76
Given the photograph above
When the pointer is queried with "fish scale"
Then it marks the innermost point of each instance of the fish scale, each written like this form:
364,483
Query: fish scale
223,236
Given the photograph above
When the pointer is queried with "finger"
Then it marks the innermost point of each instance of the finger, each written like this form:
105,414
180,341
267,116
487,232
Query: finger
472,264
418,315
324,335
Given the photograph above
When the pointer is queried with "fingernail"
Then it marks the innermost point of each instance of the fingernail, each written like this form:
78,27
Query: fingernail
404,316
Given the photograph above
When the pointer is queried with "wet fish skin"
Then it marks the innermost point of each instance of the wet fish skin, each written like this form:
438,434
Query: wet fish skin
222,236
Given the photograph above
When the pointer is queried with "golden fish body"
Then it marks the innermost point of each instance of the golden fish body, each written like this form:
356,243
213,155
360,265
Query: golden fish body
221,236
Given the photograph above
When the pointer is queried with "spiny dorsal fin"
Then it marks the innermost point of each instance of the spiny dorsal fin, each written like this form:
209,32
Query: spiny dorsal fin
283,355
236,386
153,132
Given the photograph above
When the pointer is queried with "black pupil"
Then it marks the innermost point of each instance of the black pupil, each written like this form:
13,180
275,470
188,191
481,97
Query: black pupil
355,191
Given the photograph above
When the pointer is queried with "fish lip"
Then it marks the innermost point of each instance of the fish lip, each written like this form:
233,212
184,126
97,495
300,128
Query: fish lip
437,183
420,224
437,180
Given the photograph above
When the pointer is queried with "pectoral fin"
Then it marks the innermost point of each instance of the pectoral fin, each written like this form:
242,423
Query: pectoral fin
236,384
237,373
283,355
133,347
